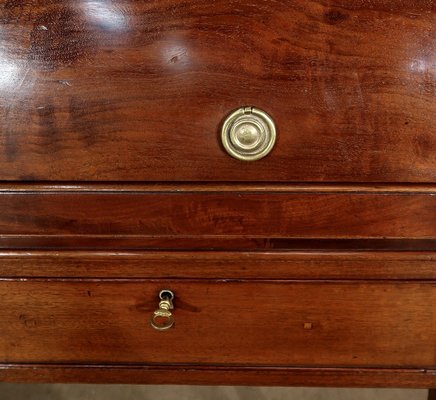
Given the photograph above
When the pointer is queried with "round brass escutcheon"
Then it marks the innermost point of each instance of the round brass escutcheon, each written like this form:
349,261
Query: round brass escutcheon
248,134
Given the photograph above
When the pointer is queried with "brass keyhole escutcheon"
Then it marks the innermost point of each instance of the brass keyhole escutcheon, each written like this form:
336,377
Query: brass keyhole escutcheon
162,319
248,134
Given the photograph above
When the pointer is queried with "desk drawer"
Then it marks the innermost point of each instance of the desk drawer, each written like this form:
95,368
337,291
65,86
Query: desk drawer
138,90
281,323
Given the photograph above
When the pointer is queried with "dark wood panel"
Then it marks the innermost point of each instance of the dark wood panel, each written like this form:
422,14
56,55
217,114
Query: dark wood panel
147,374
275,323
137,91
286,215
226,265
190,243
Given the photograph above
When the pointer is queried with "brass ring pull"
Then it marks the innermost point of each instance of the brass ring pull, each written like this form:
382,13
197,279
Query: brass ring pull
162,319
248,134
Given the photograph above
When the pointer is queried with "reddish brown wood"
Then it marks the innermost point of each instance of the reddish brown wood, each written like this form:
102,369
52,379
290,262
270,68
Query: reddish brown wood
137,91
253,323
190,243
213,187
225,265
108,106
265,376
214,214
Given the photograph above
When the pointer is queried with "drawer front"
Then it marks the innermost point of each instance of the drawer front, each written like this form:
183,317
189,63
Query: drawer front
281,323
138,90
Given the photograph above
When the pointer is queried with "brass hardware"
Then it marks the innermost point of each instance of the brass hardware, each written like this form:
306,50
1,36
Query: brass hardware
162,319
248,134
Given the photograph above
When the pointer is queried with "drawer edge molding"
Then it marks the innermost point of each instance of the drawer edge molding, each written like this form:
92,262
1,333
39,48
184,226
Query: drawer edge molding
204,243
371,265
215,187
213,375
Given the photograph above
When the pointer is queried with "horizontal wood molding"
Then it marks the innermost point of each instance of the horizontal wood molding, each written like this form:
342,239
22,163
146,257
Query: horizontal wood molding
225,265
211,187
228,243
215,375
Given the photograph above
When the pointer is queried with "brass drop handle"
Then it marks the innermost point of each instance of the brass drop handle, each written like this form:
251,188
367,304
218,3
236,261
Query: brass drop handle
162,319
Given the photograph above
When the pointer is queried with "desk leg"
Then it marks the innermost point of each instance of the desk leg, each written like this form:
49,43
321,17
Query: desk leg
432,394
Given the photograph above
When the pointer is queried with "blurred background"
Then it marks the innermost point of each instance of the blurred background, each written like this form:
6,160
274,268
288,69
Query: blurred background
132,392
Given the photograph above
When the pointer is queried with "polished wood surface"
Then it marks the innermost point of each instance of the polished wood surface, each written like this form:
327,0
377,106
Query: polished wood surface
321,264
221,375
280,323
137,91
218,214
314,266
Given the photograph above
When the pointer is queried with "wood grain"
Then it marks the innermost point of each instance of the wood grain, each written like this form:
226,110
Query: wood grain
191,243
252,323
216,187
313,266
370,265
137,91
254,376
215,214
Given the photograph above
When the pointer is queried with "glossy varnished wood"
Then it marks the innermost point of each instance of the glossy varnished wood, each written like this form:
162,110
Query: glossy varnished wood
333,265
219,214
352,323
314,266
134,91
